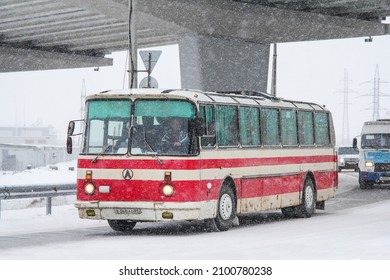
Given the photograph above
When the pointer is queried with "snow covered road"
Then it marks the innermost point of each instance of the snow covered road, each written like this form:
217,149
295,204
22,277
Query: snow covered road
355,225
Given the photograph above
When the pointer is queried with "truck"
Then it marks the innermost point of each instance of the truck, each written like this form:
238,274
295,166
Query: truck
374,153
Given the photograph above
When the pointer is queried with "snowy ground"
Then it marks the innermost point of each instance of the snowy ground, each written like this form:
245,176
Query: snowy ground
41,175
354,234
63,173
357,233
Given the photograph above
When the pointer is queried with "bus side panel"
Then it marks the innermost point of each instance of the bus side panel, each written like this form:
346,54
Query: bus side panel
272,193
265,193
252,192
326,184
291,186
146,182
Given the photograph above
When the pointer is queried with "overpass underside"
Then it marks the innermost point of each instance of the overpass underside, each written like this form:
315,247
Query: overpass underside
223,44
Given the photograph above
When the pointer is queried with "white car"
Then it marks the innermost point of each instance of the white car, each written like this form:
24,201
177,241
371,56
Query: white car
348,158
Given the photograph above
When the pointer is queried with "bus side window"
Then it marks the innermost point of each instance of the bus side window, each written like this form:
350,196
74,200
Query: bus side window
227,128
249,126
288,127
305,128
270,126
321,128
207,114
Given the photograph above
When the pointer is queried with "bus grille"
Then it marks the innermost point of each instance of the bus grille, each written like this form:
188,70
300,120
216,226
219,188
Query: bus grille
382,167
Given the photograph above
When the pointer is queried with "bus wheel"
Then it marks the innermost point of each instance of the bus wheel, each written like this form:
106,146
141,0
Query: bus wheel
307,208
226,211
365,185
121,225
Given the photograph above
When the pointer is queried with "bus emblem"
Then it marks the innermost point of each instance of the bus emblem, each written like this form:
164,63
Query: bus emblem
127,174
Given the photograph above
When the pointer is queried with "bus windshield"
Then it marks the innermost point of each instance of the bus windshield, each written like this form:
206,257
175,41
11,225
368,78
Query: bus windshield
163,127
376,141
107,127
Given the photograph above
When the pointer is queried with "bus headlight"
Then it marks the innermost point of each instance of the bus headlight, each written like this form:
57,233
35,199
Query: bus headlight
89,188
167,190
369,164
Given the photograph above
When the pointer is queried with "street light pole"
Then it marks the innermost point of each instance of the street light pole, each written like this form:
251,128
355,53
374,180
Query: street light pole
132,44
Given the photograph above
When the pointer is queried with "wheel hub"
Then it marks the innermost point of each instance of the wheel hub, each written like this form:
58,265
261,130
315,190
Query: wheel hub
226,207
309,196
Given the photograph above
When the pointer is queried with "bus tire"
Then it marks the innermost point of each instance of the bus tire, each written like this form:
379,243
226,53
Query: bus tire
308,205
121,225
365,185
226,209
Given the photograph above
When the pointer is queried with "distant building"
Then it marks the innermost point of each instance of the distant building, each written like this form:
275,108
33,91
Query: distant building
28,135
29,147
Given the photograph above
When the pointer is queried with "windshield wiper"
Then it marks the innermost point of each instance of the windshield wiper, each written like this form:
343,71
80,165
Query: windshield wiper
154,153
105,149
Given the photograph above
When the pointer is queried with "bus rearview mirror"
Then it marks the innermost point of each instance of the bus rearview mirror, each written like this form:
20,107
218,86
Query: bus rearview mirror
71,126
69,145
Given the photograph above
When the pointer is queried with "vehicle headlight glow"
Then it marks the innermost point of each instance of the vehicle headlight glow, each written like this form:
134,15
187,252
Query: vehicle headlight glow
167,190
369,164
89,188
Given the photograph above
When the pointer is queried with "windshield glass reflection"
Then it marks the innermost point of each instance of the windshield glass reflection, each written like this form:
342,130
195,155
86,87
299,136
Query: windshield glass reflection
163,127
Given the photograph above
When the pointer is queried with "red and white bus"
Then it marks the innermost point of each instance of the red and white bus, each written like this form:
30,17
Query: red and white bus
236,153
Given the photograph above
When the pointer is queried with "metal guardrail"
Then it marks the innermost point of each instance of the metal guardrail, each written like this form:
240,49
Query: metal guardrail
34,191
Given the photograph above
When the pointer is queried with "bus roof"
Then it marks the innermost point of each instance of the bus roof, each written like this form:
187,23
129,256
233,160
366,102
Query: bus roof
378,122
378,126
233,97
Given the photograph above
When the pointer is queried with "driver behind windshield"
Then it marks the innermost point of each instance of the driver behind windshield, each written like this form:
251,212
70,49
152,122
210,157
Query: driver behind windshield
175,138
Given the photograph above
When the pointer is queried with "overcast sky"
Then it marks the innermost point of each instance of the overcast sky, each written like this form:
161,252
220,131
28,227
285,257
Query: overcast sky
308,71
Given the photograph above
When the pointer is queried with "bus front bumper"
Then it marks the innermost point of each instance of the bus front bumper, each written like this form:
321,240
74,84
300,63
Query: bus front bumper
375,177
146,211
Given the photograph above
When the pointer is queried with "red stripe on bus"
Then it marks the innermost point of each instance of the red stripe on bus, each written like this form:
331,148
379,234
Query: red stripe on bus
146,190
183,164
143,190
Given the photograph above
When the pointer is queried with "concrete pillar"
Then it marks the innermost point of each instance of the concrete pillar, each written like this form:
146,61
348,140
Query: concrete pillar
222,64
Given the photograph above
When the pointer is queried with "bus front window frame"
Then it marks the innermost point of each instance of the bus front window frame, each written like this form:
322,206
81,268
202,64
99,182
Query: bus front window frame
155,120
109,127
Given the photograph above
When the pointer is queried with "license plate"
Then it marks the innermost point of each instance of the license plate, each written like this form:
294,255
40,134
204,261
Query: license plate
384,178
127,211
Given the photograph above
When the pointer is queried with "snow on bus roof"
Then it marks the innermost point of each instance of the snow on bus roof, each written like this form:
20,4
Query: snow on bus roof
233,97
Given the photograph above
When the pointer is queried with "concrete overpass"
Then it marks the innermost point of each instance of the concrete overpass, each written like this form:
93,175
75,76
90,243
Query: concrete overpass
224,44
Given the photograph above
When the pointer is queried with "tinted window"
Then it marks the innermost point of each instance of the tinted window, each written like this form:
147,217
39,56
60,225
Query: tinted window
288,127
227,126
270,126
249,126
321,128
305,128
207,114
